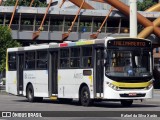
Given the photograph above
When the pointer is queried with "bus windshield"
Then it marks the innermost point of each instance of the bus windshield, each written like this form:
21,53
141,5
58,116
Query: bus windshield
128,63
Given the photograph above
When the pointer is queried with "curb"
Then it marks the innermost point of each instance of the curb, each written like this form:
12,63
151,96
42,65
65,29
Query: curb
156,91
3,92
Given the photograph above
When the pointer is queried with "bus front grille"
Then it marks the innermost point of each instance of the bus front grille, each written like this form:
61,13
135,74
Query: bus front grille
133,95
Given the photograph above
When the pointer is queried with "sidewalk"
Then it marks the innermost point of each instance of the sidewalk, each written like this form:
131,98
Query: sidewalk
2,89
156,91
156,97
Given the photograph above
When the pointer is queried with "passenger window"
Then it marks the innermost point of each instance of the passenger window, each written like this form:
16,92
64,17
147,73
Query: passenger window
75,52
75,57
12,61
87,57
30,60
64,63
42,60
64,53
64,58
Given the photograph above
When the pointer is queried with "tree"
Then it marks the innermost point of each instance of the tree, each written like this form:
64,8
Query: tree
142,6
6,41
36,3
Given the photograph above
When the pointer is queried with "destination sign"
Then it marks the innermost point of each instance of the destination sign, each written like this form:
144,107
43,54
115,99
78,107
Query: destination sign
129,43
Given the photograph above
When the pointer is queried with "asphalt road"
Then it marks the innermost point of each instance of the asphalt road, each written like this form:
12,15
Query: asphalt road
20,104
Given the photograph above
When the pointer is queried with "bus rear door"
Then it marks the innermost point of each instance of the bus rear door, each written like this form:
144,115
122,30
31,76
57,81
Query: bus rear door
53,73
20,67
98,71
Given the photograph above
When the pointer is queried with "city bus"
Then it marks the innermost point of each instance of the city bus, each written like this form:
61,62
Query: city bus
116,69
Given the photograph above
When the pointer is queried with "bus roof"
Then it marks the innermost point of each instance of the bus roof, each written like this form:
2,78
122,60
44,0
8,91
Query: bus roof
57,45
67,44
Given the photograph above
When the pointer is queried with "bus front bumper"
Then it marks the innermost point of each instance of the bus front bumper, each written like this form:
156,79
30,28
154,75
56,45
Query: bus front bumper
110,93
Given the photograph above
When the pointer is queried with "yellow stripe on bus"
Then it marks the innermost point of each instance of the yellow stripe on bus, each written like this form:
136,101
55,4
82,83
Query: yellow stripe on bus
131,85
53,97
91,79
59,77
7,61
15,81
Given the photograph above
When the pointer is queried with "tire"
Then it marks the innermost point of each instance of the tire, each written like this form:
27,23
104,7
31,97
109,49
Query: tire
85,99
30,93
126,103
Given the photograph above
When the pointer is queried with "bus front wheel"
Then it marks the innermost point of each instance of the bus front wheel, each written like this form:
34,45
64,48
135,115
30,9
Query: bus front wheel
126,103
85,99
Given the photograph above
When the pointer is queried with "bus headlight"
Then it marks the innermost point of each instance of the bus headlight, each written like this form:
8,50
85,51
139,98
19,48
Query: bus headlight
112,86
148,87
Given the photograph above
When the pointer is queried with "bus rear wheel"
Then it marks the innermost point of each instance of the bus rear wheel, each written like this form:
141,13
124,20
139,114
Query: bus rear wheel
30,95
85,99
126,103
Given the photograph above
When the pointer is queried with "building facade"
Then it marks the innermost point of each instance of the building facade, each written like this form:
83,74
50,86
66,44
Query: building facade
96,5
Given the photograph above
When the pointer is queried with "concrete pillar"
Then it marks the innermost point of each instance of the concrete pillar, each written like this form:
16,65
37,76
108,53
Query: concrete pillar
49,23
63,25
4,21
92,25
133,18
78,24
19,22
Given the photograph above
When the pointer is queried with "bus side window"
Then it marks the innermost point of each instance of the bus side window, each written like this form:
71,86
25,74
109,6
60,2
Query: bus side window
12,61
87,56
64,58
26,65
90,62
30,60
75,57
64,63
42,60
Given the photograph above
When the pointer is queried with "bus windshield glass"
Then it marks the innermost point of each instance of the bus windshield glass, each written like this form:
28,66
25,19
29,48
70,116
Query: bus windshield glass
128,63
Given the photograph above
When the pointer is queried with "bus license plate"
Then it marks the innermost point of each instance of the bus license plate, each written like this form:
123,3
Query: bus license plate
132,94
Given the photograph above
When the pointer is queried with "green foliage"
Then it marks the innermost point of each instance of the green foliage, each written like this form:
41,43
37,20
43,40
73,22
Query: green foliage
4,81
142,6
6,41
36,3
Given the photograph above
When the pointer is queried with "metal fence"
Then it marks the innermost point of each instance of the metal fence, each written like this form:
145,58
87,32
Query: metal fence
26,28
65,28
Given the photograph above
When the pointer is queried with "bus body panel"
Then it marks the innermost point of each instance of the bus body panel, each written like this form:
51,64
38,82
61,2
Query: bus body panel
69,82
39,80
110,93
69,78
11,82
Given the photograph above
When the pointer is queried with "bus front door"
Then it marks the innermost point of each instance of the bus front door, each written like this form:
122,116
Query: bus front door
99,71
53,73
20,67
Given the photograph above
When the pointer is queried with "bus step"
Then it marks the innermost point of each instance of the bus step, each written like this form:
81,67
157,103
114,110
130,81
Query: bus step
99,95
53,97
